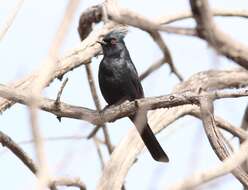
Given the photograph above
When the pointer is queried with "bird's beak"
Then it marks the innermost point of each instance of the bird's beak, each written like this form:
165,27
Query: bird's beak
101,42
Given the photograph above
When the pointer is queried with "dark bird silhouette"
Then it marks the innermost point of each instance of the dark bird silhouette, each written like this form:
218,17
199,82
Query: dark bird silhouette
119,81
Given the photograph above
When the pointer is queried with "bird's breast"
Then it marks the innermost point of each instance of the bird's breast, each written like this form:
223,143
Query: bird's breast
112,68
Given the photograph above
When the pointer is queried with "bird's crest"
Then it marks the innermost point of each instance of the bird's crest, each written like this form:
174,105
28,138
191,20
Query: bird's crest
118,34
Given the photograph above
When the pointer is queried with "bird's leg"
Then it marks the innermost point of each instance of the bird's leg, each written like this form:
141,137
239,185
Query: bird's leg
109,106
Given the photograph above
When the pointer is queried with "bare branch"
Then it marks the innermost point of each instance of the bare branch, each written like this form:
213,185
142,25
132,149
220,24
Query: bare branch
188,14
125,153
229,165
88,49
60,138
125,16
5,140
98,108
87,19
47,68
10,18
98,149
119,111
244,125
69,182
152,68
57,101
223,43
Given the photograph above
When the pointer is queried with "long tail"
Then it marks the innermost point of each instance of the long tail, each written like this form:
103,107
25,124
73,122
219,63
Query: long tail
151,142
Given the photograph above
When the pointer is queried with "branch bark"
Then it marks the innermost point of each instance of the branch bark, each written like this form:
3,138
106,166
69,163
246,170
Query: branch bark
115,112
232,164
81,55
125,16
125,153
5,140
219,40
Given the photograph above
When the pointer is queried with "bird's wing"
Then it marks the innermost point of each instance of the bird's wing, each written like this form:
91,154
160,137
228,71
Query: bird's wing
132,85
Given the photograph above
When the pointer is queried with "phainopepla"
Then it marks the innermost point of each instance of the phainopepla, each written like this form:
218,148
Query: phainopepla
119,81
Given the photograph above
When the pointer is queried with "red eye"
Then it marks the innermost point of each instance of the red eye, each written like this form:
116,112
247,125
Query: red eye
113,41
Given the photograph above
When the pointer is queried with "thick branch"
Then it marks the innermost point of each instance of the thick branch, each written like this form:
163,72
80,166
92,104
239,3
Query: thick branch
126,152
227,166
116,112
87,19
88,49
223,43
215,139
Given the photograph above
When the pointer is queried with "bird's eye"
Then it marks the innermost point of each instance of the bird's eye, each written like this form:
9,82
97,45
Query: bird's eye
113,41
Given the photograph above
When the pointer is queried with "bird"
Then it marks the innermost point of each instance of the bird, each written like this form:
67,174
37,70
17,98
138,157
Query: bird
119,81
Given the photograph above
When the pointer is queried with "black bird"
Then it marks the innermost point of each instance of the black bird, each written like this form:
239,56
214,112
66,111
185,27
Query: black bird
119,81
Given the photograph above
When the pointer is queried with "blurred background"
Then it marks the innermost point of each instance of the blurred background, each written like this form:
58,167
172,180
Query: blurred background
26,45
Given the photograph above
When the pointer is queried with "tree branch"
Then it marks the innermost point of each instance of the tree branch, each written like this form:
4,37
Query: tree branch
125,16
87,19
222,42
229,165
130,146
5,140
81,55
188,14
69,182
115,112
10,19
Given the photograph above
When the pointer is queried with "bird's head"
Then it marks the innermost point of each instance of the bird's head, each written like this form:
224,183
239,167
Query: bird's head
113,43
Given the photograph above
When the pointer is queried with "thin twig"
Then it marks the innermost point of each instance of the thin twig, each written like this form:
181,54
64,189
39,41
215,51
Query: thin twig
99,152
152,68
69,182
57,101
60,138
10,18
188,14
98,107
86,20
5,140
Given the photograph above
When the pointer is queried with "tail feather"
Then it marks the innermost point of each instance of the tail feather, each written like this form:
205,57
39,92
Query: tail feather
151,142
